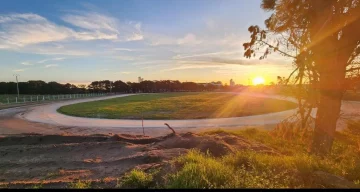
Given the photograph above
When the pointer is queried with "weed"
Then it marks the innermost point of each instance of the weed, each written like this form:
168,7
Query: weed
136,179
80,185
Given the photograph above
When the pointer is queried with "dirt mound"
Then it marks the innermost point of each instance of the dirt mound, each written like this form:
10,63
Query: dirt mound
216,144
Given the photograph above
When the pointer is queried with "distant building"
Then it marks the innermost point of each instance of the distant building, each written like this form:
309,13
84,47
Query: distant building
140,79
232,83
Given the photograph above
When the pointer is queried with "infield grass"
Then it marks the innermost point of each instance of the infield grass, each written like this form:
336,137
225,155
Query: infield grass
177,106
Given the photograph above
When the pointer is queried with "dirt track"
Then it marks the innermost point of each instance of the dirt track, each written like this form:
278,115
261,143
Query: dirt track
55,161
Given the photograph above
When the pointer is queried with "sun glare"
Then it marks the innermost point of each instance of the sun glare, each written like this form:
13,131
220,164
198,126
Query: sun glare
258,81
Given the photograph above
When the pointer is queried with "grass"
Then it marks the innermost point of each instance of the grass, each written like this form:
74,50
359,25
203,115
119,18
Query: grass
250,169
294,168
80,185
38,186
177,106
136,179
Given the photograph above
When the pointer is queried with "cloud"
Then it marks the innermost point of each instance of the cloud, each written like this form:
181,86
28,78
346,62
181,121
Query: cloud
205,54
26,63
18,30
22,29
192,66
98,26
51,65
122,49
124,57
17,70
52,59
158,39
92,22
188,39
123,72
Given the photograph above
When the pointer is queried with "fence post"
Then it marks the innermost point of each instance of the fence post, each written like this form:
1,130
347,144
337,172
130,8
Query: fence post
43,98
16,100
24,99
8,100
37,97
30,98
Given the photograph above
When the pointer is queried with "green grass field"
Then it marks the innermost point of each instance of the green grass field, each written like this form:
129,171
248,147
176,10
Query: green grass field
177,106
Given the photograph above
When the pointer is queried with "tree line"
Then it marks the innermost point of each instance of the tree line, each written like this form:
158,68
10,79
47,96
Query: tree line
106,86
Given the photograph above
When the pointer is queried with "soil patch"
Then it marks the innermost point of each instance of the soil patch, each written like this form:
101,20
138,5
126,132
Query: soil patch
54,161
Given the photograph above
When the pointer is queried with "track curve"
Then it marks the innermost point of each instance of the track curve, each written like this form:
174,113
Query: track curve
48,114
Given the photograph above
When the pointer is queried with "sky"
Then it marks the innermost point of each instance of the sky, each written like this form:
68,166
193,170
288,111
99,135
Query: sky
82,41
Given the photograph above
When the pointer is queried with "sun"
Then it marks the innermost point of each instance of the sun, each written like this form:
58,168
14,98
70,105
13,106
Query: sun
258,81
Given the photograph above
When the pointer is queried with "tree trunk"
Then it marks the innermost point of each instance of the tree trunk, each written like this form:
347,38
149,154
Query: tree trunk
331,87
325,123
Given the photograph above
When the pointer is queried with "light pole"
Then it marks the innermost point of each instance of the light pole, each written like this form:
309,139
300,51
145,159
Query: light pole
17,84
110,87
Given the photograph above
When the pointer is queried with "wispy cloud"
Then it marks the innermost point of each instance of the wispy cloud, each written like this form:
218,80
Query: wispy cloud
191,66
52,59
123,72
51,65
122,49
19,70
189,39
206,54
26,63
124,58
98,26
20,30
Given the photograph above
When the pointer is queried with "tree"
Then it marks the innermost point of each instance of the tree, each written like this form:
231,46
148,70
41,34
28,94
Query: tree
321,36
120,86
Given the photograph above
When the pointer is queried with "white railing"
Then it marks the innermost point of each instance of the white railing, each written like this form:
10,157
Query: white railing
42,98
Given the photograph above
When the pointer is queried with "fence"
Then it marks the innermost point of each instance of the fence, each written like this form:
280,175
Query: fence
41,98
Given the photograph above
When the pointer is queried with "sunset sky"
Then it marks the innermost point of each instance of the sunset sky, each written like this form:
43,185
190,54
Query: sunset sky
81,41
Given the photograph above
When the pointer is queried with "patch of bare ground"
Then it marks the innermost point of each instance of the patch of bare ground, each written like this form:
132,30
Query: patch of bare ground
58,161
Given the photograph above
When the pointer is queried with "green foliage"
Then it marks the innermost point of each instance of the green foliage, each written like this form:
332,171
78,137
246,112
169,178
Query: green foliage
251,169
203,171
177,106
136,179
80,185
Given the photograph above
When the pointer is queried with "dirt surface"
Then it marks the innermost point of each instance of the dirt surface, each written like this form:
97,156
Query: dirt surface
55,161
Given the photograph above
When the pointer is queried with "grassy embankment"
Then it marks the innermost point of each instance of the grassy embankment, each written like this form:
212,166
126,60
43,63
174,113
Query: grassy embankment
293,168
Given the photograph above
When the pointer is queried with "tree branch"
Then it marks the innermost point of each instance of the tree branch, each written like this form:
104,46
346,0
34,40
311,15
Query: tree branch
353,69
271,46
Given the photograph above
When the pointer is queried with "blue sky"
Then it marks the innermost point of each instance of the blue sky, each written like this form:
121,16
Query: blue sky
81,41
